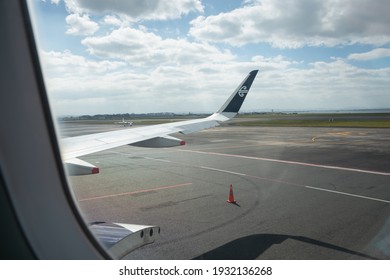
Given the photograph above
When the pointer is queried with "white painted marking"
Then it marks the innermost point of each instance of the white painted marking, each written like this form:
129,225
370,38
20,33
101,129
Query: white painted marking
221,170
294,163
257,177
348,194
158,159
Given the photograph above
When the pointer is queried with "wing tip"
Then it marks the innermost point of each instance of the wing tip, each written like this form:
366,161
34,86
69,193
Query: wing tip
233,104
95,170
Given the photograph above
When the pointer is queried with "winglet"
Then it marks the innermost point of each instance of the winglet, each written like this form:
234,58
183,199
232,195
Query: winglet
231,107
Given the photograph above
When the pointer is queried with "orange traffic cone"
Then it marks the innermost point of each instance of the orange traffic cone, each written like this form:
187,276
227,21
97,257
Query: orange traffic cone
231,196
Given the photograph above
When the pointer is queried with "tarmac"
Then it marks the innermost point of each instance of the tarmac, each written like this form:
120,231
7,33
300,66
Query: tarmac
301,193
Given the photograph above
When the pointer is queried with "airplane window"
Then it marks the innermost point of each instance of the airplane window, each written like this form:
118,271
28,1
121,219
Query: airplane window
213,130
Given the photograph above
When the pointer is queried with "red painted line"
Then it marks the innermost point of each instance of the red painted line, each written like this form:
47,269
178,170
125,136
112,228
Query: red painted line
135,192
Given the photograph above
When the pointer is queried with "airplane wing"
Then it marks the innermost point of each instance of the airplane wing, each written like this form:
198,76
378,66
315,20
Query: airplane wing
149,136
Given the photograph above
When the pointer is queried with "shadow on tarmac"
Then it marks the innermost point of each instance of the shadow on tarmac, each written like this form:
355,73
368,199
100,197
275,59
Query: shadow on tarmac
252,246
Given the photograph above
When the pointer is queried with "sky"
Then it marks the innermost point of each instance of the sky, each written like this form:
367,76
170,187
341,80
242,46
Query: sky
147,56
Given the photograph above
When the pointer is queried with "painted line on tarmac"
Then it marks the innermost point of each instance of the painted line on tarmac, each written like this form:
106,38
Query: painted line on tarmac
223,171
158,159
293,163
348,194
269,180
135,192
309,187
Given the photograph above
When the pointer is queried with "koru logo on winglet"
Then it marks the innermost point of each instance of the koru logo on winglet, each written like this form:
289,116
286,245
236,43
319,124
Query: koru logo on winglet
242,91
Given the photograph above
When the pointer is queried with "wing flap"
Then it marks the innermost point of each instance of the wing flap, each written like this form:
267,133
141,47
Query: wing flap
198,126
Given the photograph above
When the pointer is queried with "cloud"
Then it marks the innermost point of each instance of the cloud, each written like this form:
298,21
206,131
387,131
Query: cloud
371,55
136,9
146,49
65,64
80,25
131,69
273,63
112,20
78,85
323,85
298,23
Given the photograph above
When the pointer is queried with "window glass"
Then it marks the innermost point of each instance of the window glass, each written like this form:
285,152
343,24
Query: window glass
301,173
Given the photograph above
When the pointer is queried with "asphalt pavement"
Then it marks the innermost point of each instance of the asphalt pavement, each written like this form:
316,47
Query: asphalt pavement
302,193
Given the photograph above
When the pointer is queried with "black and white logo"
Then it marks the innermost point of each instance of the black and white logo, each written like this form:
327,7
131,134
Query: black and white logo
242,91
